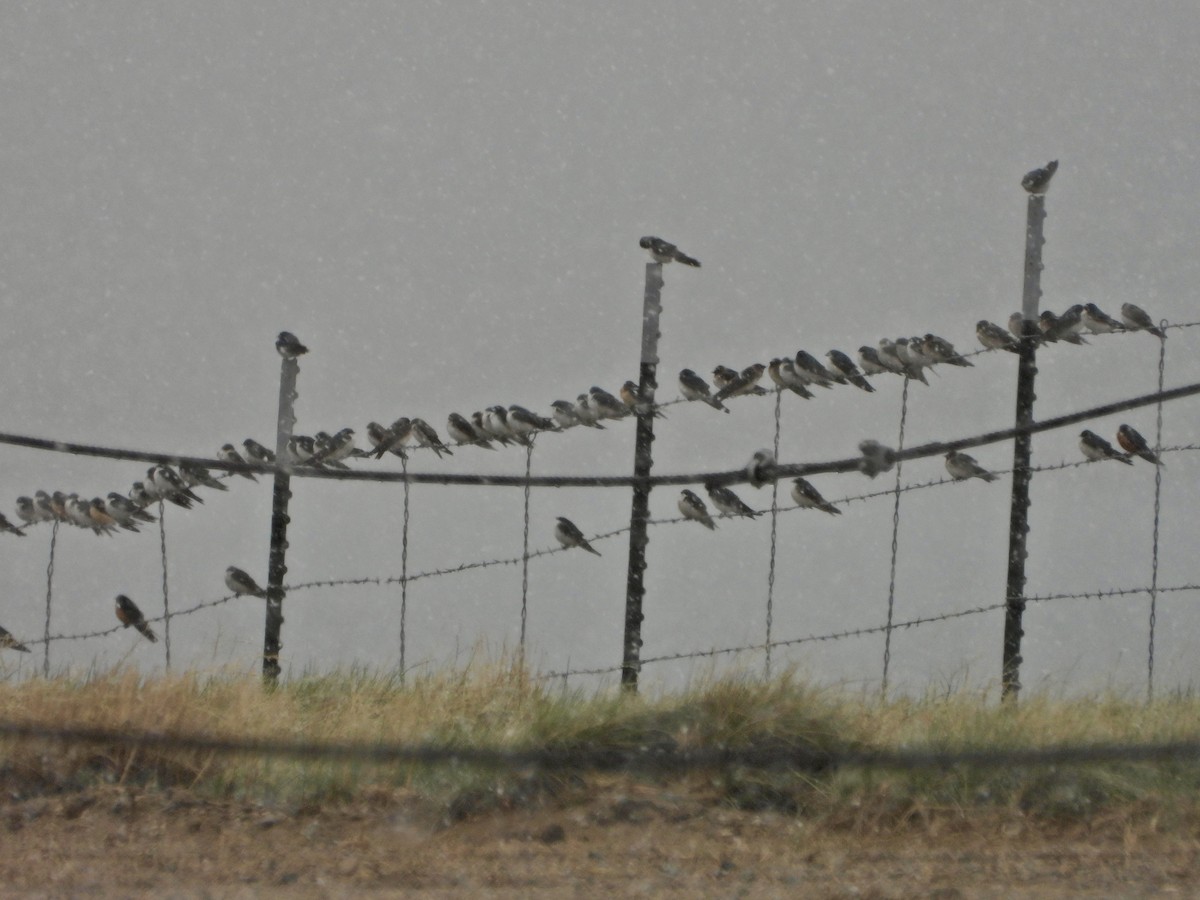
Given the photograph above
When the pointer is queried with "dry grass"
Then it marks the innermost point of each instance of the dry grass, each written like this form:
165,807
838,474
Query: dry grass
499,707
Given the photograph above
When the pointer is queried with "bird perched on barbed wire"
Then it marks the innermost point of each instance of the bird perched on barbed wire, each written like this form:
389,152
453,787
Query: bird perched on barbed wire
961,467
1098,321
693,507
229,454
808,497
289,345
128,614
943,351
256,452
845,365
242,584
7,640
425,436
569,535
8,526
994,337
1095,447
727,502
1038,181
1135,445
1137,319
876,458
693,387
665,252
464,432
743,382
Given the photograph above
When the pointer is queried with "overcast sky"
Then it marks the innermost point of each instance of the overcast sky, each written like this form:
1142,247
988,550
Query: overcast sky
444,202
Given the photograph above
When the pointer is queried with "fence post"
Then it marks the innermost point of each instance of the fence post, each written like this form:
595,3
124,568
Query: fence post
642,461
1018,521
276,567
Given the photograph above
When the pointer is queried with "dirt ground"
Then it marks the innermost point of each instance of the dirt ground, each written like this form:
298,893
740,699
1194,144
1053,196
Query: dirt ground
615,839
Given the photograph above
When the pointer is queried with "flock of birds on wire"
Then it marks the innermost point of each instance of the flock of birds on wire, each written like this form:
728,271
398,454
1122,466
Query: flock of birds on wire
516,425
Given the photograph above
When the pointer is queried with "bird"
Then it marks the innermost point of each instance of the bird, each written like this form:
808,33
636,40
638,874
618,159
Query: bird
523,421
170,486
229,454
876,458
122,511
665,252
129,614
809,367
845,365
586,411
868,358
961,466
809,497
761,468
608,406
41,502
564,413
1016,324
1137,319
1038,181
889,358
1095,447
793,379
289,345
79,512
727,502
8,526
1098,321
723,375
383,441
338,447
101,518
140,497
256,452
631,396
994,337
912,368
943,351
242,584
465,433
27,512
1135,445
193,475
425,436
1070,323
7,640
693,387
693,507
495,423
744,382
301,450
569,535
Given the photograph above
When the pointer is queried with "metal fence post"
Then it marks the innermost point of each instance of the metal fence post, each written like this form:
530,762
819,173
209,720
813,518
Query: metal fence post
642,461
276,567
1018,522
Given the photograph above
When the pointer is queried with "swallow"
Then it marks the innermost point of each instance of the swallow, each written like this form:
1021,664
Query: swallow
808,497
242,584
128,614
889,358
101,518
140,496
383,440
425,436
692,507
868,358
122,511
1053,329
845,365
1098,321
569,535
301,450
961,467
8,526
606,404
727,502
809,367
912,368
479,422
1137,319
761,468
79,513
30,513
170,486
917,354
744,382
994,337
1135,445
464,432
1095,447
565,414
793,380
495,423
665,252
229,454
337,447
631,396
943,351
522,420
876,458
41,501
58,503
289,345
1070,323
693,387
1038,181
198,475
723,375
1016,324
586,411
7,640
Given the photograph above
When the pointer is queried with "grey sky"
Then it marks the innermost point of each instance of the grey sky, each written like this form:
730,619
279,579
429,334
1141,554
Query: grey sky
444,203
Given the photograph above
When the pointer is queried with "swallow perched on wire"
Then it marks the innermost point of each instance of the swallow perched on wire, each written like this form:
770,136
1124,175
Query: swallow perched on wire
665,252
128,614
606,404
7,640
42,503
101,517
761,468
242,584
744,382
337,447
586,411
79,513
26,511
1098,321
692,507
569,535
464,432
140,497
525,421
912,364
1016,324
631,396
961,467
122,511
808,366
723,375
8,526
1038,180
301,450
809,497
789,380
845,365
425,436
994,337
693,387
943,351
1137,319
1054,329
256,452
727,502
1095,447
170,487
876,458
564,413
229,453
289,345
868,358
1135,445
198,475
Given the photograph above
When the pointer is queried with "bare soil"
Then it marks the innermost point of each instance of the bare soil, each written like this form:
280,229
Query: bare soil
613,838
